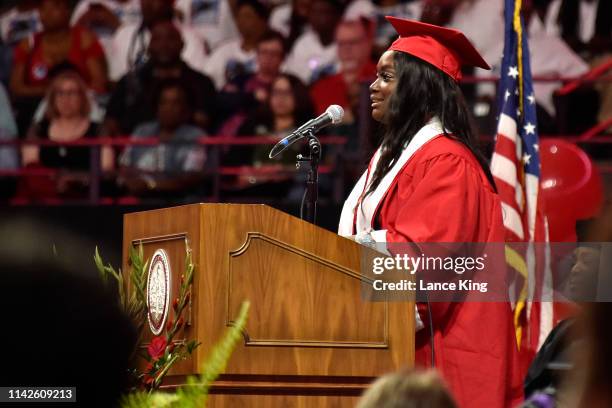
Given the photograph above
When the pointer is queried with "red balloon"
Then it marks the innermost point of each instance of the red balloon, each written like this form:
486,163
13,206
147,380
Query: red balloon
571,186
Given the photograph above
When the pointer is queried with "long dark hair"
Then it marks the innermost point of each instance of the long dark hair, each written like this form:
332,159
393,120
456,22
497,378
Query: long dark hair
304,107
423,92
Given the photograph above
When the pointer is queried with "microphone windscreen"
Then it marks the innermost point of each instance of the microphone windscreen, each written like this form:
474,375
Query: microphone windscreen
336,113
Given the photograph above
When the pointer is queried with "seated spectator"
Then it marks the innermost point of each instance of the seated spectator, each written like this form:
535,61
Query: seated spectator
586,26
20,22
291,19
354,40
133,100
104,17
175,165
56,44
356,9
349,88
288,107
9,159
211,20
67,120
385,34
17,23
130,41
237,57
248,92
314,53
549,56
408,389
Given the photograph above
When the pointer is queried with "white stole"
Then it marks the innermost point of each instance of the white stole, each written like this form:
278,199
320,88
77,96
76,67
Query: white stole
366,207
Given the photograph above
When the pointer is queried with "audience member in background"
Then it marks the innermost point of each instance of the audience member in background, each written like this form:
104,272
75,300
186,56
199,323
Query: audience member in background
349,88
67,120
104,17
355,67
175,165
408,389
248,92
9,156
288,107
314,52
17,23
355,9
237,57
68,327
20,21
130,42
592,379
56,44
586,26
212,20
9,159
385,34
134,99
588,384
291,19
549,54
558,371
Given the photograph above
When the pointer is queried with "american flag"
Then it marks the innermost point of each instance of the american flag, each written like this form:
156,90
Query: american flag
516,168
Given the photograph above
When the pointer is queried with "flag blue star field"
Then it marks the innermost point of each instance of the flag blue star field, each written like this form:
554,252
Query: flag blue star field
515,165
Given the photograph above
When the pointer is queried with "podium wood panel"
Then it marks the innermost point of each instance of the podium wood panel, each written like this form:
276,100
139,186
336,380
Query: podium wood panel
310,339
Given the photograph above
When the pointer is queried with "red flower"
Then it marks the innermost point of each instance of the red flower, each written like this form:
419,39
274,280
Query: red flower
148,380
157,347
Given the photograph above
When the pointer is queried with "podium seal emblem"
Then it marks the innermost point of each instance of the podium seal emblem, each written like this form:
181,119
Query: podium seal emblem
158,291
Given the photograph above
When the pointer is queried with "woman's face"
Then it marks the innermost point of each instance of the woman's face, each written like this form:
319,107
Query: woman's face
68,101
383,87
282,101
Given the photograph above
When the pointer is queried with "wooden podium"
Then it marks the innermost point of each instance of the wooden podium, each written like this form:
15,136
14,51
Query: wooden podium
310,340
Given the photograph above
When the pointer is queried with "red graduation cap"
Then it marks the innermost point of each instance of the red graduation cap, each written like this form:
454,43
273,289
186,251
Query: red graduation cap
444,48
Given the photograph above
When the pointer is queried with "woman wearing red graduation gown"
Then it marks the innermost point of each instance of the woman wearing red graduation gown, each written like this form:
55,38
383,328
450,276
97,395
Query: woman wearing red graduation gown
428,183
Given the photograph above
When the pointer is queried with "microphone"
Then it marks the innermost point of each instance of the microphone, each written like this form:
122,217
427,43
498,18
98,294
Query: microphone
332,116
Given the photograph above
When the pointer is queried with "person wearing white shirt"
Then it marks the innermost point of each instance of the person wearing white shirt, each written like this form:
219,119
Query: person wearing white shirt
129,44
581,23
291,25
315,51
549,57
211,20
105,17
385,33
291,19
237,57
586,26
17,23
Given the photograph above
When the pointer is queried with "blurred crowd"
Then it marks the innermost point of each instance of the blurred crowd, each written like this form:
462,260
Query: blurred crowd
177,71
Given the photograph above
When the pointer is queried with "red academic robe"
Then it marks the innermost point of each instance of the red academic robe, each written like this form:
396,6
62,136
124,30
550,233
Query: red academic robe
442,195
